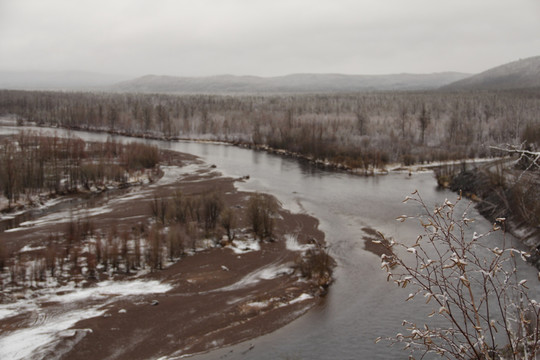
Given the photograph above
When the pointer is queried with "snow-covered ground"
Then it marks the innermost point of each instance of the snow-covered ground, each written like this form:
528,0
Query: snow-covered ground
50,323
63,217
134,195
173,174
273,301
36,199
291,241
428,167
301,298
80,212
16,345
268,272
242,246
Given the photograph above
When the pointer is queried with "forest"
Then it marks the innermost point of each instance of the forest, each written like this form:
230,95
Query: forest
33,164
36,168
363,131
178,224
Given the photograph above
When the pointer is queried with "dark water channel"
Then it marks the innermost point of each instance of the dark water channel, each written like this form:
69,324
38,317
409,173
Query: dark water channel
361,305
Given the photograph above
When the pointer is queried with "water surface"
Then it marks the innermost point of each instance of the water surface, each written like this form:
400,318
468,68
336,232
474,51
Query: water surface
361,305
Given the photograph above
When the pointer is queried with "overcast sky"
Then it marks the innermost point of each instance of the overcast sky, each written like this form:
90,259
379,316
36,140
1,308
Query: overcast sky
266,37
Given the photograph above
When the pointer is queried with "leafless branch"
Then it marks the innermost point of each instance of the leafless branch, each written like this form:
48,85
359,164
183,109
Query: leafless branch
473,286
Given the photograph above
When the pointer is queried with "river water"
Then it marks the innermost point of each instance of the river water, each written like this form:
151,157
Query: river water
361,305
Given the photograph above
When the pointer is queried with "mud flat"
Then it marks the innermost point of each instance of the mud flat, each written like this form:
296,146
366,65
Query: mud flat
217,295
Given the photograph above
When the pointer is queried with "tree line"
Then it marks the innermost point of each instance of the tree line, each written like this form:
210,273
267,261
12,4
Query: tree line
363,130
31,164
178,224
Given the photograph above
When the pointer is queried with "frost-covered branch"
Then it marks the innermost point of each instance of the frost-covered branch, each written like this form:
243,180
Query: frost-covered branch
469,283
531,158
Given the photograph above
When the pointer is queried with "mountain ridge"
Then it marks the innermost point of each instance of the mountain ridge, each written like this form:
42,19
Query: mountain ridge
57,80
519,74
292,83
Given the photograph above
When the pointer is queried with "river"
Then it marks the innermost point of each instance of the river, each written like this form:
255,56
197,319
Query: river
361,305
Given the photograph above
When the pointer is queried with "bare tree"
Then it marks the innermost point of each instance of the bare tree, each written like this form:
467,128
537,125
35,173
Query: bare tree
529,160
261,211
361,119
424,120
212,204
159,209
228,221
473,286
403,118
8,174
3,256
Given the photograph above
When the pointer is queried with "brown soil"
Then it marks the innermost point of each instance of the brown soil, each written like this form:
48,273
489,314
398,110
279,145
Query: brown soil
376,243
200,312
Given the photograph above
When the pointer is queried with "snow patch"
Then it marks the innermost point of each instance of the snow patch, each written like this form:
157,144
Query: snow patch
48,331
40,202
22,344
259,304
266,273
110,288
14,229
245,245
130,197
295,206
64,217
28,248
301,298
172,174
291,242
13,309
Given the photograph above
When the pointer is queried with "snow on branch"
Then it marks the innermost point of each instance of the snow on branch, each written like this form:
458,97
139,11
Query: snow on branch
530,157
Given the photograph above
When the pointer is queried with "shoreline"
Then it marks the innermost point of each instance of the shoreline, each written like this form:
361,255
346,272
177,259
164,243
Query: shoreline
329,165
494,203
256,291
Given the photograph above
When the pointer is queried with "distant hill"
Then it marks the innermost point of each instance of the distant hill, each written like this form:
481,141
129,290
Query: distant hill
521,74
296,83
61,80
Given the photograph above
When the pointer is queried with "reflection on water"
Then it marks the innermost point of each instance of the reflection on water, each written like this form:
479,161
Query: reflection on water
361,305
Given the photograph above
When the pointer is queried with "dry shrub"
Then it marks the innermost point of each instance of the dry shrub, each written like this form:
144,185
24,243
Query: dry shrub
137,156
473,286
261,210
316,264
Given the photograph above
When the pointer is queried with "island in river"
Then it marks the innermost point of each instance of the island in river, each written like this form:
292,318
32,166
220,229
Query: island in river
218,292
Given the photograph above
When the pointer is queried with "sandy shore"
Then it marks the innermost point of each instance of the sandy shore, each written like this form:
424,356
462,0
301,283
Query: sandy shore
216,297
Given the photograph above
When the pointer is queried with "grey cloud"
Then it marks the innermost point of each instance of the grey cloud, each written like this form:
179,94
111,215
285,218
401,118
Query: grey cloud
258,37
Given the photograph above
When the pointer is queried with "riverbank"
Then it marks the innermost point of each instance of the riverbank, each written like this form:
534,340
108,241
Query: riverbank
505,193
330,165
360,305
215,295
363,169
